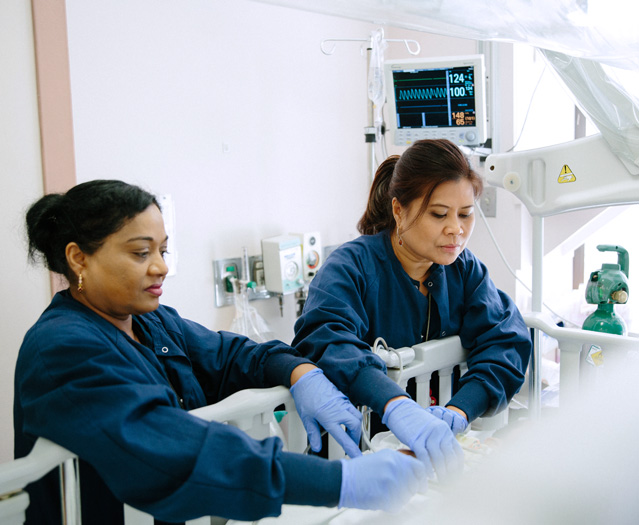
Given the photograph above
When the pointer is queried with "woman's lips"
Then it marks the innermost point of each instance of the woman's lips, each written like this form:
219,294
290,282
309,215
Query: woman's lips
155,289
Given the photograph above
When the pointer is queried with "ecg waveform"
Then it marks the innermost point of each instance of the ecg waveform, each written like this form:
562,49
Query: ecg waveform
422,93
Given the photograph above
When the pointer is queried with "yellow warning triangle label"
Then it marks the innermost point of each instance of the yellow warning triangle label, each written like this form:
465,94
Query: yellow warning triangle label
566,175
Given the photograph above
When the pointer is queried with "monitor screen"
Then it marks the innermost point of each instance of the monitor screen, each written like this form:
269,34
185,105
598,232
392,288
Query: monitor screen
437,98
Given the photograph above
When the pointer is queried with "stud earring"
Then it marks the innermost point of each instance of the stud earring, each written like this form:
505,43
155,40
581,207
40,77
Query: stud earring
80,285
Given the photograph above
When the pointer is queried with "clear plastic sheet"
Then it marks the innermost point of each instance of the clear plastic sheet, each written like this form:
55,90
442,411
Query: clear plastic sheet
600,91
603,30
592,44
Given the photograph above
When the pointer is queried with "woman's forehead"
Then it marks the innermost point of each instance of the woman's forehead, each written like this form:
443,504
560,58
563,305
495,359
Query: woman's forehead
459,193
147,224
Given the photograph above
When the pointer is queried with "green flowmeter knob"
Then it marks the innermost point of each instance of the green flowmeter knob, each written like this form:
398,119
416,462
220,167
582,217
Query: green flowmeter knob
620,296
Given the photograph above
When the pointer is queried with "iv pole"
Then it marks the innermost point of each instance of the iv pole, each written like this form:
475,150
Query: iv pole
376,45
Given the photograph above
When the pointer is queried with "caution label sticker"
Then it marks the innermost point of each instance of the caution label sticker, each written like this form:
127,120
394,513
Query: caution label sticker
595,356
566,175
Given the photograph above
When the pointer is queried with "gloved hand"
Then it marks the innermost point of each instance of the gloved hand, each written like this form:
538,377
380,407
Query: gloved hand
428,437
318,402
384,480
456,421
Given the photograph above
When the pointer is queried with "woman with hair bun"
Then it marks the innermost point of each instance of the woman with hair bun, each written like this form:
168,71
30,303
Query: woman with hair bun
109,373
410,278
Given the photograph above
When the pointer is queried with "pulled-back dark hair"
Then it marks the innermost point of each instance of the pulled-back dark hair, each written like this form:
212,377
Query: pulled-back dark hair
421,168
86,214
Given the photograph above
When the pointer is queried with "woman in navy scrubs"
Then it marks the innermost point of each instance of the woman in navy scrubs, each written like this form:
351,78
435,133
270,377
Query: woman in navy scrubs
410,278
110,374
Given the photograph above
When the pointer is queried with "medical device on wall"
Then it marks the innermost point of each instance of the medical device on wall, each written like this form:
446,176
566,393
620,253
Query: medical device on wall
432,98
311,253
283,269
607,287
311,261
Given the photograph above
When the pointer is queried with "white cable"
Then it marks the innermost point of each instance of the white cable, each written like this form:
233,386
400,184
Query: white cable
532,96
400,364
503,258
379,341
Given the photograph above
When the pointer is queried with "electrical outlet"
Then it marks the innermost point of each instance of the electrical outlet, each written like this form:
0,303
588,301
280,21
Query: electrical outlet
488,201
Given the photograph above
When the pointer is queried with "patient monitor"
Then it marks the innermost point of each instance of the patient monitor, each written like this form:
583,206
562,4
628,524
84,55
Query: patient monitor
434,98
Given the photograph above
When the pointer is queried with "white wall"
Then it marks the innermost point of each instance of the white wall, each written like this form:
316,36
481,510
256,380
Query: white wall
160,87
24,289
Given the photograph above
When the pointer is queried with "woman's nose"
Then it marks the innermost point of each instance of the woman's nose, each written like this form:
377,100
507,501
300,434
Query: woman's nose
453,227
159,265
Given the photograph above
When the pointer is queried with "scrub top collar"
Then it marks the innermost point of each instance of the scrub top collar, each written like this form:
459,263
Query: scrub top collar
435,269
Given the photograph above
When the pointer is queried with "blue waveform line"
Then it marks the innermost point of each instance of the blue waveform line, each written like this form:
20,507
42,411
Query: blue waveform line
422,93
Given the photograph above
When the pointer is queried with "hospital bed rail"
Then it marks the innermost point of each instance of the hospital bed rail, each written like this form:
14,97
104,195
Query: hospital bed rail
576,374
441,356
251,410
17,474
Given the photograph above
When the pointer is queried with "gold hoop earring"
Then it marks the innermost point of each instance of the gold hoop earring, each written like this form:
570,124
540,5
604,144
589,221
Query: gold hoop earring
80,285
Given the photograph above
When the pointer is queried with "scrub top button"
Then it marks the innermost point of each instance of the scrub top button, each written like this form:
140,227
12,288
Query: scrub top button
429,284
165,350
443,334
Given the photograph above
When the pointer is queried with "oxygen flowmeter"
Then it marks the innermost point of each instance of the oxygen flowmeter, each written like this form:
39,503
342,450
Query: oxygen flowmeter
607,287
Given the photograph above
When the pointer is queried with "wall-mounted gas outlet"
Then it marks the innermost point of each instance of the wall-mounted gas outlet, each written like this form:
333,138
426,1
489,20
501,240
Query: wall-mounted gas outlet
225,271
488,201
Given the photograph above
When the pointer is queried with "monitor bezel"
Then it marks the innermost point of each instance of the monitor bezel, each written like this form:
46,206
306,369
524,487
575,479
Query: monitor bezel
461,135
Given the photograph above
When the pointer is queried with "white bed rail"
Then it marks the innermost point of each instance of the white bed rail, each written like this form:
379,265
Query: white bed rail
441,356
253,411
17,474
576,373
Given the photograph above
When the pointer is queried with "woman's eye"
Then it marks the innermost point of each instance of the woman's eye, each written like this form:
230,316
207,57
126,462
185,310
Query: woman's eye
164,253
142,255
438,215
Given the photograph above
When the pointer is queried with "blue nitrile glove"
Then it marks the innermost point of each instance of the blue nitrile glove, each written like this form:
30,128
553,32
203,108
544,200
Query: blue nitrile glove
385,480
318,402
455,421
428,437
